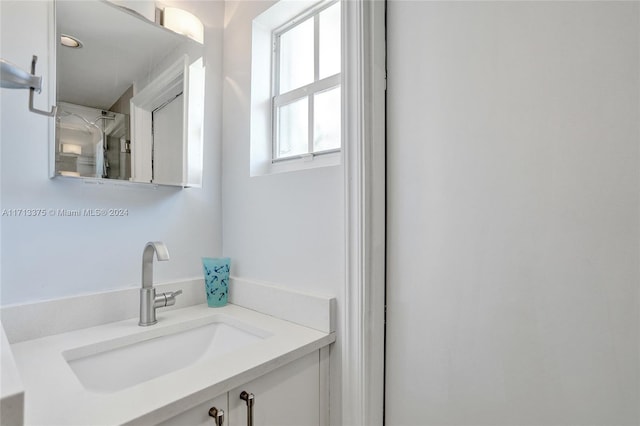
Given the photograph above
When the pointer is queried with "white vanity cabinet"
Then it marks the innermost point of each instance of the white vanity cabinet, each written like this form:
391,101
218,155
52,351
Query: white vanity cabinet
199,416
288,396
291,395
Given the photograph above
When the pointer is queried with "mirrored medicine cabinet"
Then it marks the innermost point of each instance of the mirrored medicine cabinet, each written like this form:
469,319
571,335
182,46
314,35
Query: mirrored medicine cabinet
130,97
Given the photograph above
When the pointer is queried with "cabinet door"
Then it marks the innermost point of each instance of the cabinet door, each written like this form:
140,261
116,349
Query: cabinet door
199,416
288,396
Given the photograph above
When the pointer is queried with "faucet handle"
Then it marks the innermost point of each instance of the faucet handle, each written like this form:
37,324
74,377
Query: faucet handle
170,297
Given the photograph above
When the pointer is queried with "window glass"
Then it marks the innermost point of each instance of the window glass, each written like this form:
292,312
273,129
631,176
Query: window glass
293,131
307,54
326,120
297,56
330,41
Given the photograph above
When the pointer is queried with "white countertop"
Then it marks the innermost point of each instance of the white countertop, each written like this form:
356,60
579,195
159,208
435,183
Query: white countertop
54,396
11,389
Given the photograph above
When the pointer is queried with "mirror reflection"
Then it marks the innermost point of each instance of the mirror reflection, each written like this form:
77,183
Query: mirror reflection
97,146
130,96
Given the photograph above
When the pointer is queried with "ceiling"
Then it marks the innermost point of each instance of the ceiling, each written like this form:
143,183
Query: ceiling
119,47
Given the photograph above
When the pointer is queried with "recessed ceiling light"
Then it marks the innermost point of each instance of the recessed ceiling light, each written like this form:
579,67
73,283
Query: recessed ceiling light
69,41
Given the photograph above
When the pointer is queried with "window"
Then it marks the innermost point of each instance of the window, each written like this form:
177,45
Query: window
296,52
306,106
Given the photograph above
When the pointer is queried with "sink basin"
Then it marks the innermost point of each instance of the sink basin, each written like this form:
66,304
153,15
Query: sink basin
120,363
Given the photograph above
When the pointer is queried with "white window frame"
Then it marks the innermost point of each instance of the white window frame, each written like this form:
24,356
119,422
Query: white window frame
309,91
271,19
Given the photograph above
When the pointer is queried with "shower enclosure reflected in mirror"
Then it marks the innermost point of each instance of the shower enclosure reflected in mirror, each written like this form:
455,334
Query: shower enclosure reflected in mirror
130,96
92,142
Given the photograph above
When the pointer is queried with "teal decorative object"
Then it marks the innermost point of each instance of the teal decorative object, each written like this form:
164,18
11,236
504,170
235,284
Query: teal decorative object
216,280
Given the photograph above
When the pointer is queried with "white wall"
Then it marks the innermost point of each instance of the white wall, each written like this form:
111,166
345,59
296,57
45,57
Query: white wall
513,191
51,257
286,229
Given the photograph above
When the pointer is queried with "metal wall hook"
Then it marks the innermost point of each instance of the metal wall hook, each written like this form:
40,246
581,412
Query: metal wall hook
14,77
33,89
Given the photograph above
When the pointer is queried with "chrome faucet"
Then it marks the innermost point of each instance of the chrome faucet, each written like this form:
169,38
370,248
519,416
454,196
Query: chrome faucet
149,302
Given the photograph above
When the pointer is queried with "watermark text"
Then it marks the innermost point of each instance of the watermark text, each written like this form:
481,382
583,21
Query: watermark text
51,212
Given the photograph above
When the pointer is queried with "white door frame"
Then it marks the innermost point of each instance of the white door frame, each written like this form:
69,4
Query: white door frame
364,73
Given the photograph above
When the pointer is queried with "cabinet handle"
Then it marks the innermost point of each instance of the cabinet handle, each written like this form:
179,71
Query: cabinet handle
249,399
218,415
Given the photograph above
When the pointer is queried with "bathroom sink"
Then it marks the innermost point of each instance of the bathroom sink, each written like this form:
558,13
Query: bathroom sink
120,363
